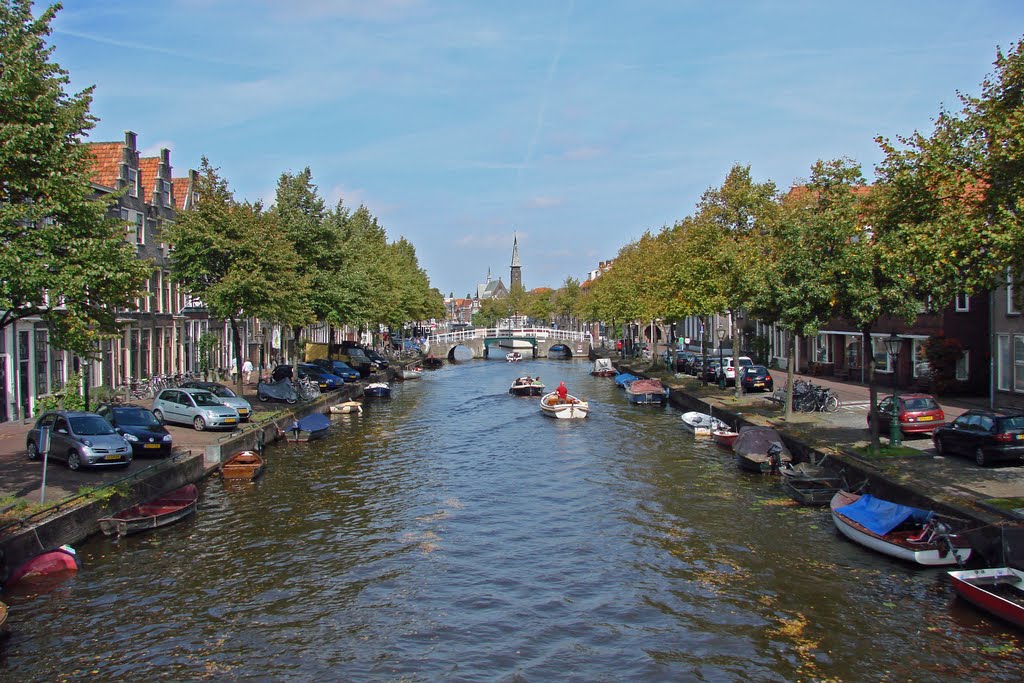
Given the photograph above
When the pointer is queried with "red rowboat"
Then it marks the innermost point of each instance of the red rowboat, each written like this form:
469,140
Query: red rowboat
998,591
166,509
45,571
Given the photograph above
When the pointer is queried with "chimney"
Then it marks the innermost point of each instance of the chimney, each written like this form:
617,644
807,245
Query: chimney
130,140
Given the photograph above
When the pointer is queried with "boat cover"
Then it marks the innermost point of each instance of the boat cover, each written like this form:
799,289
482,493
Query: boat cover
624,378
755,440
314,422
881,516
603,365
646,386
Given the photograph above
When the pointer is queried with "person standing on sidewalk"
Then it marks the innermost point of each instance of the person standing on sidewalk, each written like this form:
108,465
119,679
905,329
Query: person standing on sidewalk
247,371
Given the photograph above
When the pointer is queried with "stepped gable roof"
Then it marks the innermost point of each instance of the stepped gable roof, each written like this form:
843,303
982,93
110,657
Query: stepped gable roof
148,169
180,192
106,167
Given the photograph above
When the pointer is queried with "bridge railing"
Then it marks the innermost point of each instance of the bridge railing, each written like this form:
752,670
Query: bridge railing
492,332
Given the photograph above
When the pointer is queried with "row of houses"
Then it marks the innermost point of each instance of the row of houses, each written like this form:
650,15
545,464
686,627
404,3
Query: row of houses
161,335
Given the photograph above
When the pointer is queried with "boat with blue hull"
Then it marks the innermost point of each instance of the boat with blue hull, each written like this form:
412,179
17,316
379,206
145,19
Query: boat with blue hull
308,428
646,392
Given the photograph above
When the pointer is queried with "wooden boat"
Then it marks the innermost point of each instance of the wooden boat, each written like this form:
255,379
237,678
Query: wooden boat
410,373
701,424
570,409
810,484
308,428
167,509
998,591
242,465
513,356
526,386
603,368
346,407
724,437
899,531
377,390
645,391
432,363
760,449
44,571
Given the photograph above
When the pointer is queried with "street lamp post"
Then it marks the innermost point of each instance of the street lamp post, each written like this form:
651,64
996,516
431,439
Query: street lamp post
721,359
893,346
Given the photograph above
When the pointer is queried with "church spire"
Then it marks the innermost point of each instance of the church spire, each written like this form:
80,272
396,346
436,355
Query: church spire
515,274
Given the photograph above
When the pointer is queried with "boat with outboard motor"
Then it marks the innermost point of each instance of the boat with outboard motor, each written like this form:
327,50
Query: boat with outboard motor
645,391
701,424
603,368
526,386
513,356
760,449
568,409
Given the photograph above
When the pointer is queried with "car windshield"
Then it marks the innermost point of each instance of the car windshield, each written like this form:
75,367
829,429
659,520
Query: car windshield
223,392
920,404
1013,423
205,398
90,425
136,417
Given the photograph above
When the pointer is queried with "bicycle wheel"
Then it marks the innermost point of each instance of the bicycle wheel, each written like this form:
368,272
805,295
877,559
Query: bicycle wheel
831,403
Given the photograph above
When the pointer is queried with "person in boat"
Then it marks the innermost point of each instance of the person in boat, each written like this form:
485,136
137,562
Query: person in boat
562,391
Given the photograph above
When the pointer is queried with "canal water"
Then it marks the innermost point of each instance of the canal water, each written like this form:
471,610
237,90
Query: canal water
454,533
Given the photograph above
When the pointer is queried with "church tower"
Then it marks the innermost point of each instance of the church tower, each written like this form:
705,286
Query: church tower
515,276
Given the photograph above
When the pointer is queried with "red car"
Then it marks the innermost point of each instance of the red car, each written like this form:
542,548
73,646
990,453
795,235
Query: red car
918,414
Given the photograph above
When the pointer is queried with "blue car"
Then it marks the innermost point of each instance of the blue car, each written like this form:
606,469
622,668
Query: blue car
315,373
339,368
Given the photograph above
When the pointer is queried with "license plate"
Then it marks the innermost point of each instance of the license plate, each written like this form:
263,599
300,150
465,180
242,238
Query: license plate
152,445
926,418
1020,437
758,384
112,456
229,419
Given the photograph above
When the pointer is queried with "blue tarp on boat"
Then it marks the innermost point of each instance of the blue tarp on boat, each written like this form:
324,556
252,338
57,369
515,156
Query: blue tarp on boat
624,378
314,422
881,516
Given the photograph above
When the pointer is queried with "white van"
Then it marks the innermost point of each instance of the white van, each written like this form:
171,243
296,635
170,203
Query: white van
729,369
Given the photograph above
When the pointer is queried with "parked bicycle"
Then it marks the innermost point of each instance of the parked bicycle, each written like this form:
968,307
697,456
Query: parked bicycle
306,388
809,397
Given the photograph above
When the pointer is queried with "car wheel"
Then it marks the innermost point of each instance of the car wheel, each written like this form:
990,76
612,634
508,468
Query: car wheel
74,461
939,448
262,397
159,416
290,400
33,450
979,457
199,423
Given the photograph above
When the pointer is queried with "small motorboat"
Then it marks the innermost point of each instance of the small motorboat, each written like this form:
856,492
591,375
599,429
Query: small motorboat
410,373
45,571
513,356
526,386
571,408
724,437
701,424
623,379
761,450
998,591
809,484
377,389
308,428
347,407
603,368
432,362
900,531
645,392
244,465
167,509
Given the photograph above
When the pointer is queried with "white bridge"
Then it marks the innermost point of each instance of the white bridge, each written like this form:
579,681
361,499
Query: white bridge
495,342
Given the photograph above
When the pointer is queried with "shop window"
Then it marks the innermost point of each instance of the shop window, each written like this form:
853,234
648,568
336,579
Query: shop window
822,349
883,362
1003,362
922,368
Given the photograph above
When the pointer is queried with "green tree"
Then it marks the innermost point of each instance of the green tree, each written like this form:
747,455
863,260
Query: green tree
62,259
234,258
566,300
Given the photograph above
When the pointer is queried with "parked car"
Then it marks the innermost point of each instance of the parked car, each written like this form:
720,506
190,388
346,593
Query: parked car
986,435
226,396
337,367
918,414
359,361
711,370
376,357
756,378
727,373
197,407
139,427
79,439
683,358
326,380
282,371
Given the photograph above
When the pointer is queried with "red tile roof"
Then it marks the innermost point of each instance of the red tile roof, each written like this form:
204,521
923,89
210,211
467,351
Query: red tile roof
148,167
106,162
180,192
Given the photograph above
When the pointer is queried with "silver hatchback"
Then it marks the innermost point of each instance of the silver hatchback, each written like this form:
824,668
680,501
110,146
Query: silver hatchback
80,439
196,407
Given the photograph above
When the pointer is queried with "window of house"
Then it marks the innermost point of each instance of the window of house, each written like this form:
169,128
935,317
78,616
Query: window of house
822,349
133,182
1003,362
1018,362
963,366
1011,306
166,307
922,368
963,303
42,385
883,361
853,354
140,228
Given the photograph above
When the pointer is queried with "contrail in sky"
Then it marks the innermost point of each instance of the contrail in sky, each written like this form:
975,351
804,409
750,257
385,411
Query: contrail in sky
552,68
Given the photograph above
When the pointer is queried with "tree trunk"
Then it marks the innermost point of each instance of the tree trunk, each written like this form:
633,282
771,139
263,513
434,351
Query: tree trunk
236,354
736,348
869,357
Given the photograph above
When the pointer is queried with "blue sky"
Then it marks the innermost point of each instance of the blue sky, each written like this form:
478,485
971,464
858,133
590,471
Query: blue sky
575,125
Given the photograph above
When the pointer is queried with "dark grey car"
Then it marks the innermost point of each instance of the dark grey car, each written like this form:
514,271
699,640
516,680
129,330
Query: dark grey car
80,439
